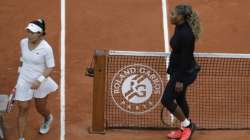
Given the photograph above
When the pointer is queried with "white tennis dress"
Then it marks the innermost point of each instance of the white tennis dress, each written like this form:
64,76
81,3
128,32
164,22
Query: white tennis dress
34,63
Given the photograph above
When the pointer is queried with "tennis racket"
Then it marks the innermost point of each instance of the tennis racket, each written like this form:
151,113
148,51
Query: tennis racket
2,128
11,100
168,119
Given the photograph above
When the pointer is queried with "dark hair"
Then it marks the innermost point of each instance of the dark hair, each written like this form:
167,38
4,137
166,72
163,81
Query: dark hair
191,17
41,24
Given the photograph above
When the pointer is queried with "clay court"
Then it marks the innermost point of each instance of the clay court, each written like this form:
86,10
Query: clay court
134,25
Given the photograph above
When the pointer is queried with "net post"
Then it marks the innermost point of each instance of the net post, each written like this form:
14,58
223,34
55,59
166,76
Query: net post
98,99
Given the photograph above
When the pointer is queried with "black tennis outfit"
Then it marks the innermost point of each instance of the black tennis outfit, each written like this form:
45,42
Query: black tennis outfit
182,68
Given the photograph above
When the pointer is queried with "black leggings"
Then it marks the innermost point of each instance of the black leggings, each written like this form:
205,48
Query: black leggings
171,98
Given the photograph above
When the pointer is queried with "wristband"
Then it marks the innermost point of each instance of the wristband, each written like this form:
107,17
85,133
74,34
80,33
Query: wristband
19,69
41,78
20,66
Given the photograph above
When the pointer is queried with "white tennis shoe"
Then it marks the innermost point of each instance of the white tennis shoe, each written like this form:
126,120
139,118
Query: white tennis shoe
44,129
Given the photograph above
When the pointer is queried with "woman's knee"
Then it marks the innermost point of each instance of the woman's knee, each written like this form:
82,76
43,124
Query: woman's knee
168,102
41,104
168,99
171,106
23,107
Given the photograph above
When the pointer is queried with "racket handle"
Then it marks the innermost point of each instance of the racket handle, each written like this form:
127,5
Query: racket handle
11,100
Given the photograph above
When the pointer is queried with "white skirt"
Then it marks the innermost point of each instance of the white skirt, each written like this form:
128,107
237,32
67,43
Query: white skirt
25,93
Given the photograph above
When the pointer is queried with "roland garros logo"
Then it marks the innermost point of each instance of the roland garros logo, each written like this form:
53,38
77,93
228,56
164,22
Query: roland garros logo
136,89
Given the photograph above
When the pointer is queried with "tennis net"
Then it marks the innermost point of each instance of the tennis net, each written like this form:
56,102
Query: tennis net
135,81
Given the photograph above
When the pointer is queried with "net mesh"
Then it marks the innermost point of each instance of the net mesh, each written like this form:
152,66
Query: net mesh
218,99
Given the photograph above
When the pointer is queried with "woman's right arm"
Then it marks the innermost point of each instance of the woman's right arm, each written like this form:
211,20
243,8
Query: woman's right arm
20,64
21,57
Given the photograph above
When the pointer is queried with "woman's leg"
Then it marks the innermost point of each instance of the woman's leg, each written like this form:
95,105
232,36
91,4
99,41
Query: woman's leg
41,107
181,98
168,100
182,102
22,117
187,126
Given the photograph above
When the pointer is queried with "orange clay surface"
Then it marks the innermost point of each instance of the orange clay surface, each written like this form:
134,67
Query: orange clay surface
15,15
109,24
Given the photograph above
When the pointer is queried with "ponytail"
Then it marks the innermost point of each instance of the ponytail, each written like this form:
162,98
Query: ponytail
191,17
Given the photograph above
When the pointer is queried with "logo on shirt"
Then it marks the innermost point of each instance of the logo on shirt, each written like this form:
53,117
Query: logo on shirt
137,89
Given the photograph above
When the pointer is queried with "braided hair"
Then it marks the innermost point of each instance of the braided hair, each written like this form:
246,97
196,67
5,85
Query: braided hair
191,17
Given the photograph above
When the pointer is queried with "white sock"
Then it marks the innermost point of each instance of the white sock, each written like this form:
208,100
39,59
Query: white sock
182,128
186,123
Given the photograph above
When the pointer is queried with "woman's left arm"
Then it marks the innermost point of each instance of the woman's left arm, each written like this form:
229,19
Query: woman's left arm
36,84
50,64
47,72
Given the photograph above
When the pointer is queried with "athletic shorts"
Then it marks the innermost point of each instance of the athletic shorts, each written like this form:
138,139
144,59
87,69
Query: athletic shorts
25,93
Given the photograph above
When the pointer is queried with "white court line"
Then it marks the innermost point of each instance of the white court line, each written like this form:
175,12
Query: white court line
166,37
62,81
165,25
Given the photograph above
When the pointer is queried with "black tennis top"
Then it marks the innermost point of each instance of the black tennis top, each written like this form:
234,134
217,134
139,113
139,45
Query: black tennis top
181,58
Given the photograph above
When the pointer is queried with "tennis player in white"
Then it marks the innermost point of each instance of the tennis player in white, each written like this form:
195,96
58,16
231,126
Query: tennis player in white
34,81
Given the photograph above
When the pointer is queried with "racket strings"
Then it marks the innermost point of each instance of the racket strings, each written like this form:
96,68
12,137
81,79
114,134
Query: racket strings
168,119
11,100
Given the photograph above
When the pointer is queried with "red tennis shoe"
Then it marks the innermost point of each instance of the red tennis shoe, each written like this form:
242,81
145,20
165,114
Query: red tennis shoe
175,134
188,132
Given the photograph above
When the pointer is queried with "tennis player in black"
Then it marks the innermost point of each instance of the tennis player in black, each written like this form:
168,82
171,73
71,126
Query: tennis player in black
182,68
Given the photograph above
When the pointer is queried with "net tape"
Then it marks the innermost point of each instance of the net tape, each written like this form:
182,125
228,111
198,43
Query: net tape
164,54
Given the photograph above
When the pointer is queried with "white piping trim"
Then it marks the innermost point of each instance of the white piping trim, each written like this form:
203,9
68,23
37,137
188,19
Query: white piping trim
163,54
